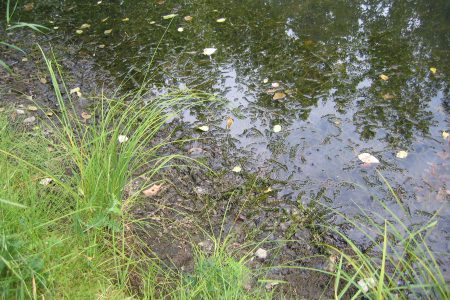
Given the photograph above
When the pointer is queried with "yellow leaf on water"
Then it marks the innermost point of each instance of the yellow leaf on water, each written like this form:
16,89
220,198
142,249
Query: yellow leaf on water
32,108
209,51
153,190
237,169
433,70
125,19
230,122
203,128
188,18
85,25
384,77
368,158
221,20
388,96
180,29
105,19
445,135
107,31
402,154
279,96
79,31
168,17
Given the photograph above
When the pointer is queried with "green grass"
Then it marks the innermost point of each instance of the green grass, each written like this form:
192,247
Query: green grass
69,239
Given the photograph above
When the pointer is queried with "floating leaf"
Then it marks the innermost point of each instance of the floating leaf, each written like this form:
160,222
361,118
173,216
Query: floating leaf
85,115
78,31
203,128
279,96
388,96
268,190
122,138
230,122
43,80
105,19
445,135
433,70
368,158
49,113
188,18
45,181
384,77
168,17
55,27
180,29
237,169
32,108
221,20
275,84
266,80
153,190
402,154
125,19
107,31
102,46
277,128
85,26
209,51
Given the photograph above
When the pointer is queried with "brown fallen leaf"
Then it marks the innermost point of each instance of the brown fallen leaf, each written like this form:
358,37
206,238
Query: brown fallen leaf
85,115
43,80
230,122
153,190
279,96
28,6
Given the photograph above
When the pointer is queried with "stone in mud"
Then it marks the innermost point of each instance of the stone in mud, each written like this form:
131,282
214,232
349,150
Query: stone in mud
261,253
29,120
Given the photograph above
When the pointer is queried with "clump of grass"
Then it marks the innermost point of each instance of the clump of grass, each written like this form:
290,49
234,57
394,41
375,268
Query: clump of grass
67,239
398,265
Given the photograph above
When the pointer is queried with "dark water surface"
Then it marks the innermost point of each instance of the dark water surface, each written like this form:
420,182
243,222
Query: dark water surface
327,56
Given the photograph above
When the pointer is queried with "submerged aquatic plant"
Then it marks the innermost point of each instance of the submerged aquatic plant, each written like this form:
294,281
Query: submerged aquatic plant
398,265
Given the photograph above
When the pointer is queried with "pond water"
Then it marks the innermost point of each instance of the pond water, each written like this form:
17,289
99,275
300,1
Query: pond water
326,58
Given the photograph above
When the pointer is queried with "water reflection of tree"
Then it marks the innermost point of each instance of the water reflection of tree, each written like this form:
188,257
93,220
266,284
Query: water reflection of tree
321,51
